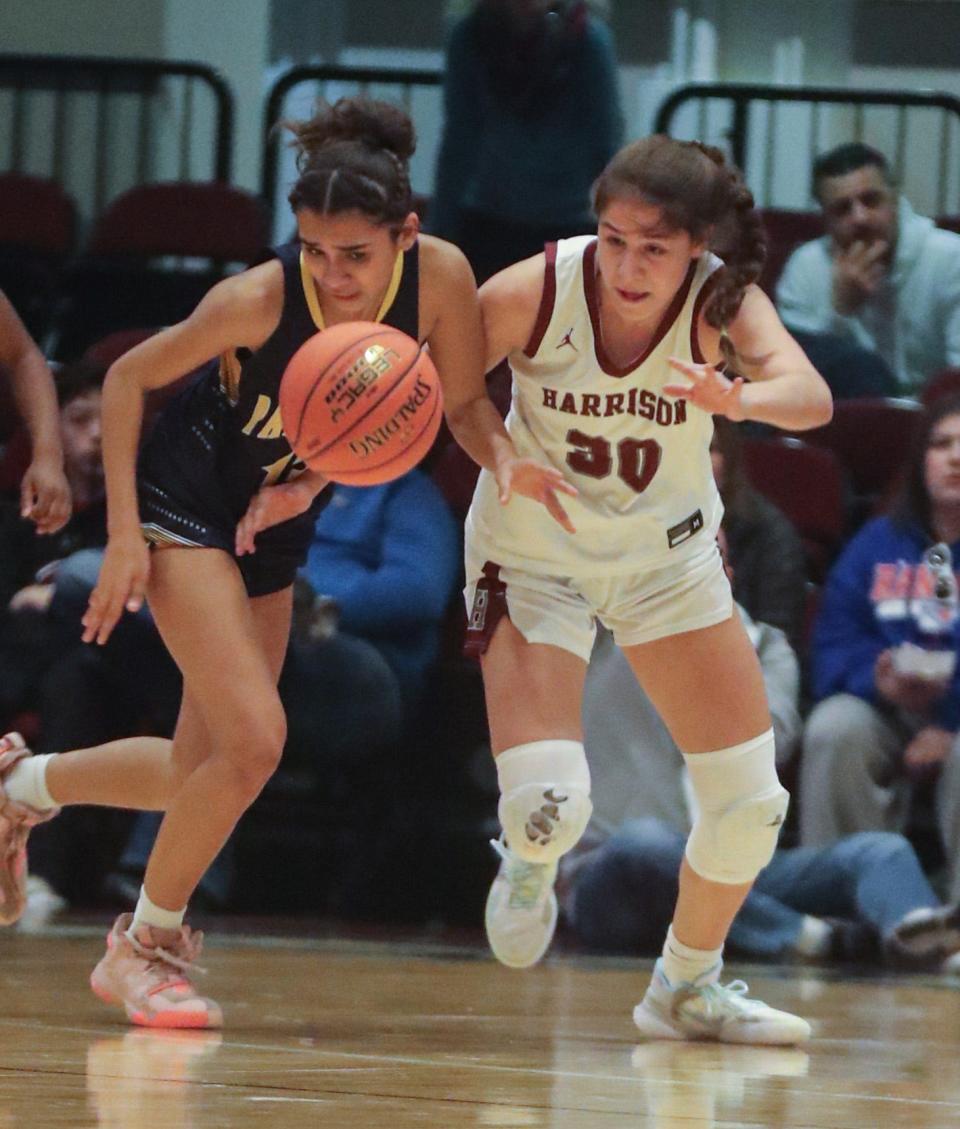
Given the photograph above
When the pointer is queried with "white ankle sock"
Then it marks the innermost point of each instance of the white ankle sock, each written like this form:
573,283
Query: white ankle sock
26,782
154,916
682,965
813,940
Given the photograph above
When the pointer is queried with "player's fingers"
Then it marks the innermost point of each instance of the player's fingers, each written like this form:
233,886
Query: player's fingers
565,487
136,595
27,499
557,512
90,620
695,372
247,529
505,485
111,613
682,391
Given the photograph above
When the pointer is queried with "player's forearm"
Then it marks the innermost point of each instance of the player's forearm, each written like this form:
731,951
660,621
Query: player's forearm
478,428
36,399
122,412
793,401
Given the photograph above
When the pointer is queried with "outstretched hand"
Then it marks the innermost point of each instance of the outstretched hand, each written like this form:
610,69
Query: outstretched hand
710,390
270,506
121,586
541,483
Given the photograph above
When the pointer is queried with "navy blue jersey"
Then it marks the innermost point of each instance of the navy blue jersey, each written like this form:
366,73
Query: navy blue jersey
220,439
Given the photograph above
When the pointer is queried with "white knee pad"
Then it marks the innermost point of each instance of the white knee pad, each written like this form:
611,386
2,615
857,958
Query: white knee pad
544,798
741,808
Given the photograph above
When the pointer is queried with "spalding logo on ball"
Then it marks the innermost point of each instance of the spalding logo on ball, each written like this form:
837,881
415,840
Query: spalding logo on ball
361,403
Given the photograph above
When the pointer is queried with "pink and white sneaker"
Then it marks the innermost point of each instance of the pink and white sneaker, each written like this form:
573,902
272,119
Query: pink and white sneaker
16,821
152,982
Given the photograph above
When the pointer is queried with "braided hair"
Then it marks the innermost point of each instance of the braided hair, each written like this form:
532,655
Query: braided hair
697,191
354,156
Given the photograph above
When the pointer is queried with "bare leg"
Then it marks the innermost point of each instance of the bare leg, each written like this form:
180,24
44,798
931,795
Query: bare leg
135,772
708,688
533,690
231,730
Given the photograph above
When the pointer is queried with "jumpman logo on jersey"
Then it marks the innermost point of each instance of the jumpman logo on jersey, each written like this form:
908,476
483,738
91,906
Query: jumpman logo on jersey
568,340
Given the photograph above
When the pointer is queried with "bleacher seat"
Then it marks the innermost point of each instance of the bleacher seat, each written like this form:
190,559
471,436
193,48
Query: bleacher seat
38,224
871,437
806,483
151,257
944,383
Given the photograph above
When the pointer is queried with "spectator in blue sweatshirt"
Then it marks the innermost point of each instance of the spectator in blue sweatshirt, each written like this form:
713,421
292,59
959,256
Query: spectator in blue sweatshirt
383,566
884,653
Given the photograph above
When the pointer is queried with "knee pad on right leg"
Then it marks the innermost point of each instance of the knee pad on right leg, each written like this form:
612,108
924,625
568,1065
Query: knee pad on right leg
545,798
741,808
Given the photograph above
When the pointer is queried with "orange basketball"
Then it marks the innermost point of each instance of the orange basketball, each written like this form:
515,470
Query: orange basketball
360,403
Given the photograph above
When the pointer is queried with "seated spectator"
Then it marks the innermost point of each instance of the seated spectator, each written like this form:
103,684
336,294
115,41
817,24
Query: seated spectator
883,279
532,115
884,668
763,549
384,562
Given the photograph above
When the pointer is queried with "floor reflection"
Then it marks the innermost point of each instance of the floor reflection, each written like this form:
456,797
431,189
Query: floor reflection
693,1085
140,1079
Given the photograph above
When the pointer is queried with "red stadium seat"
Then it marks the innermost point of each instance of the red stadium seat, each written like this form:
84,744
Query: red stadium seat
944,383
125,277
871,437
806,483
38,226
205,220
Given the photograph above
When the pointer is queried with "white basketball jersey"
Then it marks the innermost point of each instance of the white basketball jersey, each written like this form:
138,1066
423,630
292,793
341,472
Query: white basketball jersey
639,459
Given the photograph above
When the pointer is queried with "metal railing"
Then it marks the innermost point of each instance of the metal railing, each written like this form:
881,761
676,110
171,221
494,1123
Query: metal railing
402,85
139,119
776,146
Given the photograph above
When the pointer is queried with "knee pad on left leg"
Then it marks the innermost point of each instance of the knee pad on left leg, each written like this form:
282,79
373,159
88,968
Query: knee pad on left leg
545,798
742,806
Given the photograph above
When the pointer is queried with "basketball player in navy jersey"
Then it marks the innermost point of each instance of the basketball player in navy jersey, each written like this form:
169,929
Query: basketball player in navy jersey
214,522
617,345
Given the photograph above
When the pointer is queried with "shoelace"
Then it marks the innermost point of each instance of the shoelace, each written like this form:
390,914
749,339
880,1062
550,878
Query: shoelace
161,956
719,998
525,878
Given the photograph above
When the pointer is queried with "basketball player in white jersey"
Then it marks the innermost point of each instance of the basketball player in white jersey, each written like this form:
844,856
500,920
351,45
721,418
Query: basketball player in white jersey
619,345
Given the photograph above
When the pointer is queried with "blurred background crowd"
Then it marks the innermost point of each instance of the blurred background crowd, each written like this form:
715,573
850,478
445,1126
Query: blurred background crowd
129,184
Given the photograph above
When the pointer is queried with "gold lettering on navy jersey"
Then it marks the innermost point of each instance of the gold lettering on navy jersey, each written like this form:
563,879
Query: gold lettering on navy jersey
273,428
640,402
373,362
284,469
260,409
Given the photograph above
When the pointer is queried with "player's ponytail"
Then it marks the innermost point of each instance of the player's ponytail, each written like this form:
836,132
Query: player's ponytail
353,156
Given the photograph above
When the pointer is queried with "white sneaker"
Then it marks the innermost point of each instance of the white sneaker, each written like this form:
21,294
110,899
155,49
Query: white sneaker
927,939
713,1011
521,912
43,905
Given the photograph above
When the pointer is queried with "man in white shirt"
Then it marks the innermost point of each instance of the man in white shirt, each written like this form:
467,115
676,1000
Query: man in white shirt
883,278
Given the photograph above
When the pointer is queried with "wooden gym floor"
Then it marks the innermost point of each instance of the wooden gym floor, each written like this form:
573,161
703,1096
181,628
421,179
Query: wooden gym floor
349,1033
